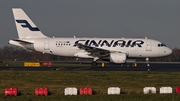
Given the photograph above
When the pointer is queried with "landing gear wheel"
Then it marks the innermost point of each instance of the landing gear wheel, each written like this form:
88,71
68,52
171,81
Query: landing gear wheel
94,63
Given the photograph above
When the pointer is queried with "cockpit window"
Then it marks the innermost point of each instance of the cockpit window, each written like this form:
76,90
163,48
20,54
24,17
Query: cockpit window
161,45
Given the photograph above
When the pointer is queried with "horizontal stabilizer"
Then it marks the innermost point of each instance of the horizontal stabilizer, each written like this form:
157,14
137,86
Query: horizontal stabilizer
22,41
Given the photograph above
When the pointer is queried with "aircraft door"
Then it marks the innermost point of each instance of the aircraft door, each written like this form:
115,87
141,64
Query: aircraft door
46,44
148,45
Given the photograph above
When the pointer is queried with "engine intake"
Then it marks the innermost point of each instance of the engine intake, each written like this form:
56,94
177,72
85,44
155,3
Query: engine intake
118,57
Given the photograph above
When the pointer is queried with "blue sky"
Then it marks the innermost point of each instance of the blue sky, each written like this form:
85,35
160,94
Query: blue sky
155,19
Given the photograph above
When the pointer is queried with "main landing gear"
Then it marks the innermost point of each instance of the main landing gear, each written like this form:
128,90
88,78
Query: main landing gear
94,63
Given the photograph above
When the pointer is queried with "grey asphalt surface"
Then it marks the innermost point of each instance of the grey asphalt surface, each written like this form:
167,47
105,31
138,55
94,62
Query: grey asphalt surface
168,67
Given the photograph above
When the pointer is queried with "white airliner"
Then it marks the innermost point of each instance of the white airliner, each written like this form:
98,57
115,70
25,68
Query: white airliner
114,50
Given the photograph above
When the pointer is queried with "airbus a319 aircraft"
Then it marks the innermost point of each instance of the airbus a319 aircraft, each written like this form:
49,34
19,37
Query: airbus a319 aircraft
114,50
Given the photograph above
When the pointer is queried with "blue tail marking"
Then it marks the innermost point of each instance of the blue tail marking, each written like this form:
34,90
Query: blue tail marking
25,24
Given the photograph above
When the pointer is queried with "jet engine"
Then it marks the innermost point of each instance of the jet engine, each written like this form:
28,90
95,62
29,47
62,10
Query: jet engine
118,57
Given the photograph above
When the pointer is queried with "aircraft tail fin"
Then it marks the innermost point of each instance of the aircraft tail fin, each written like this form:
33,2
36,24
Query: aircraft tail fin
25,27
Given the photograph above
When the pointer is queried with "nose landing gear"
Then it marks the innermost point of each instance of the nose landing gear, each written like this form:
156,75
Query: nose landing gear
147,62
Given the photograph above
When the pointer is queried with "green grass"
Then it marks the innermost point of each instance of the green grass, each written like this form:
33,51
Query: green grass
21,64
122,97
131,84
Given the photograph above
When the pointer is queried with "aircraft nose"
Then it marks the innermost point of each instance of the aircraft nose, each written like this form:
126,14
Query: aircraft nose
168,51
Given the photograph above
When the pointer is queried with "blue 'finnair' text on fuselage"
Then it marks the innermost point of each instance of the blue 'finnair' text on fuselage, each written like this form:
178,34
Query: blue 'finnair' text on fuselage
112,43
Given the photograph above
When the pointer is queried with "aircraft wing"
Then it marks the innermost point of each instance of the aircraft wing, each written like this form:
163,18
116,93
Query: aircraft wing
94,50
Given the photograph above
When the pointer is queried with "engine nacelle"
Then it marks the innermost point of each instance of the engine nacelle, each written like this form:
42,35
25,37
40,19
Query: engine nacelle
118,57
